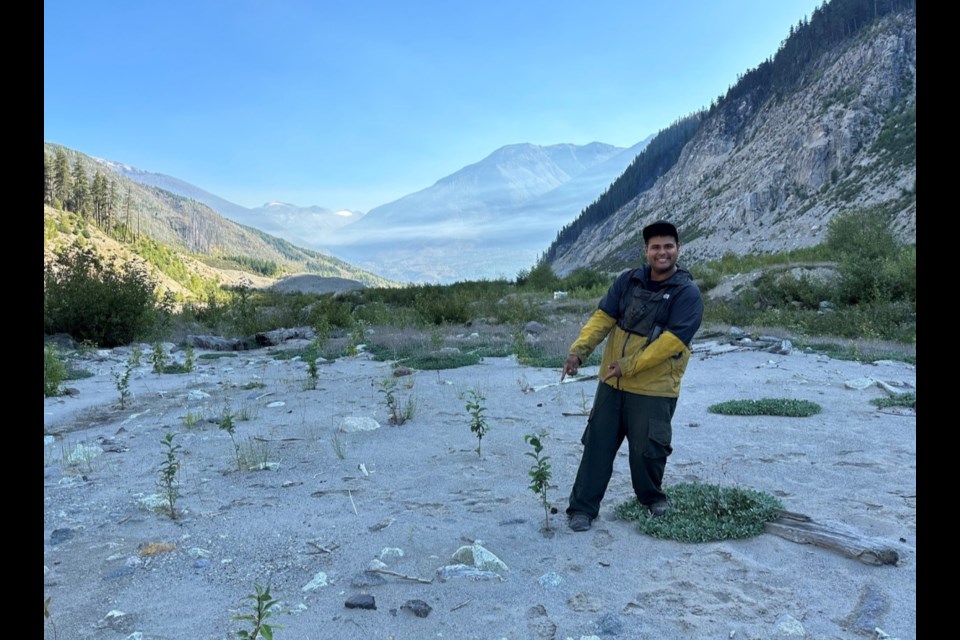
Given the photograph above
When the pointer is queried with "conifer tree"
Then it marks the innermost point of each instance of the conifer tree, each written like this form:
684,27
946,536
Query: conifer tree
47,179
61,179
80,193
111,213
98,198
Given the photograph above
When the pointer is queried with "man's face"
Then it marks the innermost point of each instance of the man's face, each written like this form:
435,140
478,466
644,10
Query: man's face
662,254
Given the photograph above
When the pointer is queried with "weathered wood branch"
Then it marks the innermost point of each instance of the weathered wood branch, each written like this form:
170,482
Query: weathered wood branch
799,528
387,572
569,380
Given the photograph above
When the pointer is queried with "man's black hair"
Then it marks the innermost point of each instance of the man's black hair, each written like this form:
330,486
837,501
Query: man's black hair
660,228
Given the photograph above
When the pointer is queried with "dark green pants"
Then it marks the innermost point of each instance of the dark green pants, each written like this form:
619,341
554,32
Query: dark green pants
645,422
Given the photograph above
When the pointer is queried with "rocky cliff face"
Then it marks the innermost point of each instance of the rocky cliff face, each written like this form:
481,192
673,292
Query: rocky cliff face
768,177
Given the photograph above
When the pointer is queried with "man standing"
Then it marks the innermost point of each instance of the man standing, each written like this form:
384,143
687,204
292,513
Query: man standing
649,316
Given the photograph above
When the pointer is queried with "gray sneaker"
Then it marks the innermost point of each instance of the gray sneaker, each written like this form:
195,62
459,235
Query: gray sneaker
659,508
579,521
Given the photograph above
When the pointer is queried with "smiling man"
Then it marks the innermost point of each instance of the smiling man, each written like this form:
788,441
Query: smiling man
649,316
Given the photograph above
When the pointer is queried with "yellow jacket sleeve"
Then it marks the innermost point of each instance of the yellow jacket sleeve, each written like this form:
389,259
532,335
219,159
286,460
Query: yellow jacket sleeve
592,334
664,347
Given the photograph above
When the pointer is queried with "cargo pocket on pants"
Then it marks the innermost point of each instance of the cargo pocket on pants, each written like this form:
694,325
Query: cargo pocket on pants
659,439
586,429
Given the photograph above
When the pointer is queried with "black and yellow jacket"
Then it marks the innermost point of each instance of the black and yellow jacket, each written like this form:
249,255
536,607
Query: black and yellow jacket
649,326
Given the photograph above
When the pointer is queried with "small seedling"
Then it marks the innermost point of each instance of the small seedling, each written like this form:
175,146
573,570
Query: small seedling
228,425
339,446
405,410
80,456
169,469
47,617
123,383
387,387
191,419
247,412
136,356
585,405
358,337
399,411
312,374
159,358
188,361
524,384
255,454
322,331
263,605
478,422
539,473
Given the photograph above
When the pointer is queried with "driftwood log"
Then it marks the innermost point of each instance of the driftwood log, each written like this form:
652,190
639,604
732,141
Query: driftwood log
797,527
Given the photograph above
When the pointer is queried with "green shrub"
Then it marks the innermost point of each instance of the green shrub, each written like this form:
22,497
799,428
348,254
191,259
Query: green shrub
107,304
896,321
438,305
781,289
335,312
705,513
585,279
767,407
873,266
54,371
539,278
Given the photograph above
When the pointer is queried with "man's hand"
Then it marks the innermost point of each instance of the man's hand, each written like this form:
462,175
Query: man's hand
570,366
614,369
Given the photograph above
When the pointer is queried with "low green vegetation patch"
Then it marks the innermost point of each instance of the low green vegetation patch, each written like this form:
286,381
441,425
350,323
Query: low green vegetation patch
387,352
176,367
705,513
311,352
217,355
501,350
854,353
908,400
767,407
77,373
440,360
419,356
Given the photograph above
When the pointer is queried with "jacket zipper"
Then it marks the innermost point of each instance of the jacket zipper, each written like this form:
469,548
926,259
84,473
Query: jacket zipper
623,353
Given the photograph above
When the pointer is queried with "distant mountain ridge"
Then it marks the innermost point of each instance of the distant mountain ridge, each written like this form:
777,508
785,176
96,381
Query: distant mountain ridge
490,219
174,185
288,221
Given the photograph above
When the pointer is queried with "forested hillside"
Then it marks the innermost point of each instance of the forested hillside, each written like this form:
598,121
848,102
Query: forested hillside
152,222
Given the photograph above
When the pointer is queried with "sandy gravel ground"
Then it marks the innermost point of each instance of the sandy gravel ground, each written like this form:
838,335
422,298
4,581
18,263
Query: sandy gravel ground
414,501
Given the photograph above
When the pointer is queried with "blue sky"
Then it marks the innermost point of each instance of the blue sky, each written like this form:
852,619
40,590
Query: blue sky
356,103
